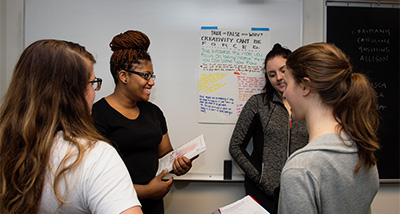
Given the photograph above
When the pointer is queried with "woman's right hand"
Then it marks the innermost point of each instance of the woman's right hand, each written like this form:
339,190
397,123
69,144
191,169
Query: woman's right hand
156,188
160,188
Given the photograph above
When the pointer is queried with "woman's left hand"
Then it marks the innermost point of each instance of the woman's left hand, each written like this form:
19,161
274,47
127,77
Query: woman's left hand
182,165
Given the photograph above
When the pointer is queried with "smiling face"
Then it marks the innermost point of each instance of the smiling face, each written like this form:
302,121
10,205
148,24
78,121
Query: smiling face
275,69
294,95
138,87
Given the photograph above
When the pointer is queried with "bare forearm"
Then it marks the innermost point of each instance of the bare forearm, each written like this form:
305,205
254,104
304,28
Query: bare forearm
143,191
155,189
133,210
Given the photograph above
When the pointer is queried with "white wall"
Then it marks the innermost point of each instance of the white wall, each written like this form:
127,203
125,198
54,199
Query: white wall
11,39
185,197
387,200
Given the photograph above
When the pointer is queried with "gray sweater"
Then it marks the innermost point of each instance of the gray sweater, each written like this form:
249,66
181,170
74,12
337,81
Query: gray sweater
320,178
271,134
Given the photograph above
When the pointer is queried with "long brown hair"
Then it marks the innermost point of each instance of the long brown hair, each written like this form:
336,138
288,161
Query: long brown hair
128,48
349,94
46,95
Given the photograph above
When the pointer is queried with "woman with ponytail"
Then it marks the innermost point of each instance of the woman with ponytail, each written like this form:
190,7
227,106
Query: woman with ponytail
336,172
266,122
135,126
52,160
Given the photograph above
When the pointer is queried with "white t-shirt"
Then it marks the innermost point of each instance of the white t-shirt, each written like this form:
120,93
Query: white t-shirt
100,184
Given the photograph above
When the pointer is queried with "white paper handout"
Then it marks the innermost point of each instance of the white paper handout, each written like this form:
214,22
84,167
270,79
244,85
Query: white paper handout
189,150
246,205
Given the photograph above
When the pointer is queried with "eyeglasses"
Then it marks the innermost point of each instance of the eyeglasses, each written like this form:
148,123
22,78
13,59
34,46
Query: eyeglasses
96,83
145,76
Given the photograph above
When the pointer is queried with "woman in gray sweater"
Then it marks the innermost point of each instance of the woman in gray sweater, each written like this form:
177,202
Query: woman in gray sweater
336,172
266,122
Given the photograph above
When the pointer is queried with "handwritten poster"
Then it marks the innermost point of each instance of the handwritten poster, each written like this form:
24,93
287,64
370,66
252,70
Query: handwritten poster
231,70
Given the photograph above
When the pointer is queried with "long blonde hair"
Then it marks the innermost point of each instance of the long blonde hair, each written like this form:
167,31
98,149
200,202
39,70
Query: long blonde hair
350,94
46,95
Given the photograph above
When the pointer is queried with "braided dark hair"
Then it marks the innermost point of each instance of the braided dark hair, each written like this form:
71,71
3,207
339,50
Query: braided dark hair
128,48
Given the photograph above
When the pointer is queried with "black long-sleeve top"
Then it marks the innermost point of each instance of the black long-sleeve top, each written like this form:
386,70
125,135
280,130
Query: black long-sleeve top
273,140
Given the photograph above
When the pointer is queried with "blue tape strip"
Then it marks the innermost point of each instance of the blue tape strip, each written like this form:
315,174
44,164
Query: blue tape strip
209,27
260,29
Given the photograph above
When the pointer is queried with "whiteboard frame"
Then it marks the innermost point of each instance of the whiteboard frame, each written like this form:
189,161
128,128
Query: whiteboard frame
173,27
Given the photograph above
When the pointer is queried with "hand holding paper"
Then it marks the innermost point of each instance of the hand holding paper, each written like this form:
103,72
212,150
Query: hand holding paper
157,188
178,159
182,165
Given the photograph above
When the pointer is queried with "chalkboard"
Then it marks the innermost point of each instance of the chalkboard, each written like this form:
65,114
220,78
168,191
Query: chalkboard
174,28
370,36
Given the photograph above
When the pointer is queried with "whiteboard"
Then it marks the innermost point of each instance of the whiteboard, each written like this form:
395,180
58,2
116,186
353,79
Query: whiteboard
173,27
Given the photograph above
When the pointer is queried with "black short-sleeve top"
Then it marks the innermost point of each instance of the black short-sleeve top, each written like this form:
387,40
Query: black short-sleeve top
136,140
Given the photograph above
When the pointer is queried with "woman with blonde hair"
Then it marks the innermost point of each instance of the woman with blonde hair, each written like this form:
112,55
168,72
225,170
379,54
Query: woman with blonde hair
51,157
336,171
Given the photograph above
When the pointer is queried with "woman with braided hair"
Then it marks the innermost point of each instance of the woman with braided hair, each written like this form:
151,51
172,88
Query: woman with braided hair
336,171
136,126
